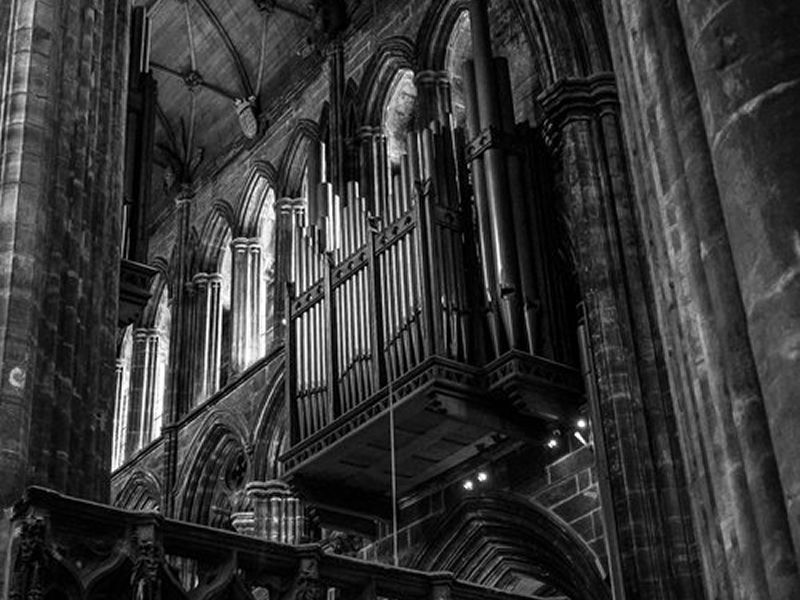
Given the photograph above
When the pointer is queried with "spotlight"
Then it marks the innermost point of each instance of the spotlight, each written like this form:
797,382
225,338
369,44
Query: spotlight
580,438
483,476
582,423
468,485
552,443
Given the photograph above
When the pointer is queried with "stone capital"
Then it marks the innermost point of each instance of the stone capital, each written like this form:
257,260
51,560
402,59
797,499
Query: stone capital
200,279
433,78
240,243
578,98
184,196
286,205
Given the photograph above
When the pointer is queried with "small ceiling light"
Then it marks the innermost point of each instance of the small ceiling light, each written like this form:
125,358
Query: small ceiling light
483,476
552,443
468,485
582,423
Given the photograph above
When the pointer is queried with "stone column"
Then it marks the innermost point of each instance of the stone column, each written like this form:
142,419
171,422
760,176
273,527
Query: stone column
149,388
278,513
745,59
199,335
120,416
181,352
711,129
255,308
433,97
246,304
652,549
136,393
213,334
64,70
239,257
283,258
142,390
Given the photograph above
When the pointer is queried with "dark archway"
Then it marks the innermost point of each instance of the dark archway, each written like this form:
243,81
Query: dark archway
505,541
141,492
215,483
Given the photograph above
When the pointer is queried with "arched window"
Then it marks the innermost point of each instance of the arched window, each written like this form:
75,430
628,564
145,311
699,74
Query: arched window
266,236
248,271
399,113
459,49
141,383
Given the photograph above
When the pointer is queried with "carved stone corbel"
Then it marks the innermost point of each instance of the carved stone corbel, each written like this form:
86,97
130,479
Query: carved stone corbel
29,563
147,557
306,584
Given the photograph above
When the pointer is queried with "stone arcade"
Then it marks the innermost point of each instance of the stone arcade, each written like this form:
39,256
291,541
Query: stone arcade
360,299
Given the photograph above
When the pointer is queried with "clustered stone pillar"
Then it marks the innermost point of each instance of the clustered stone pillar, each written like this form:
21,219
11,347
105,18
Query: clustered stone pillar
62,109
142,391
284,208
120,416
746,64
247,311
61,191
207,334
278,514
181,349
655,556
712,120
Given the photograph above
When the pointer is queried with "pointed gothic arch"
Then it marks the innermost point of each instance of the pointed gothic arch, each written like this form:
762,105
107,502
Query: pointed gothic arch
216,230
142,491
207,489
271,433
262,175
498,539
294,158
392,54
434,34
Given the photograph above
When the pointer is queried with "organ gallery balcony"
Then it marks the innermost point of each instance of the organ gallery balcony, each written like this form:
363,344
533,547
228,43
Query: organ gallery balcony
391,343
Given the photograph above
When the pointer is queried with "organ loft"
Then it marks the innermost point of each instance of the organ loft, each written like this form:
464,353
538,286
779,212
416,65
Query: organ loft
378,299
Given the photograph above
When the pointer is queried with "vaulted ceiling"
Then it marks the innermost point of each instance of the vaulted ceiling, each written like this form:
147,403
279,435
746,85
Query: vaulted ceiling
214,60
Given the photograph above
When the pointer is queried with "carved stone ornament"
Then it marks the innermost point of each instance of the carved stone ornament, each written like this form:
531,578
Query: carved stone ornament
145,581
307,585
265,5
248,120
26,577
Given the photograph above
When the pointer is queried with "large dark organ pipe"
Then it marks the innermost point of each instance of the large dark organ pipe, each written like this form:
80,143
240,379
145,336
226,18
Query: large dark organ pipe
522,221
497,188
482,210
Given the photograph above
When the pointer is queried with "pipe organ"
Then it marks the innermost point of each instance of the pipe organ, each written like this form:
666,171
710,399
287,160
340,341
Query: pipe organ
380,286
426,288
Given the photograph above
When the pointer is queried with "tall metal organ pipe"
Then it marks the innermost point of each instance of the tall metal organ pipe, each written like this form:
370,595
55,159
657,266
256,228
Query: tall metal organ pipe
501,215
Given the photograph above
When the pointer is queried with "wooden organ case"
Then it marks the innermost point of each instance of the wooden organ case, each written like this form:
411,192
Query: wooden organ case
425,301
